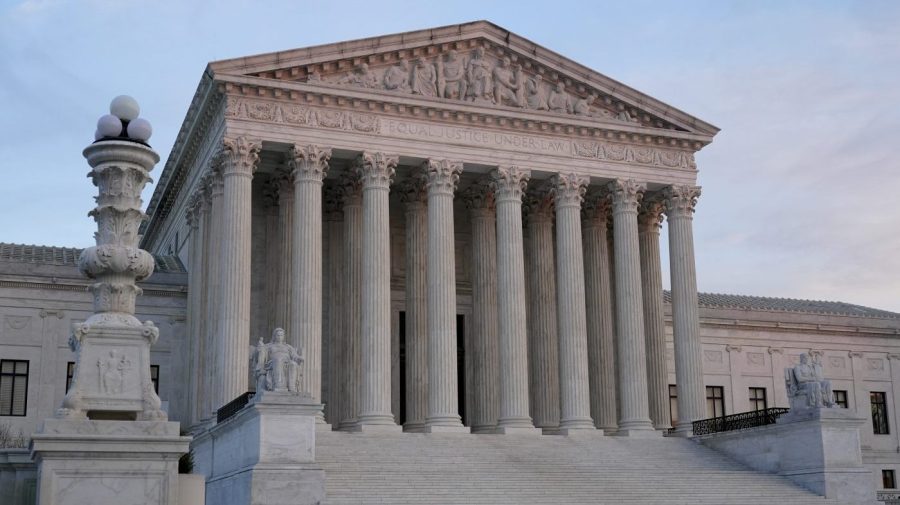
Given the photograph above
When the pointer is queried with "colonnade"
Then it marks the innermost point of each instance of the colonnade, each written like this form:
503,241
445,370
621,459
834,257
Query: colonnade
576,344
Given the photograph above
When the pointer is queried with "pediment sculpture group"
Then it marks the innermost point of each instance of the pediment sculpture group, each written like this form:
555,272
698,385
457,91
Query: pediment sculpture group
806,385
476,79
277,365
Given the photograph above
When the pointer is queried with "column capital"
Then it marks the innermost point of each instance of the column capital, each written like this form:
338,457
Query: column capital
376,170
480,196
412,191
240,156
270,193
509,182
537,205
650,213
442,176
626,194
597,208
349,186
283,182
212,180
192,215
333,200
681,199
308,163
569,189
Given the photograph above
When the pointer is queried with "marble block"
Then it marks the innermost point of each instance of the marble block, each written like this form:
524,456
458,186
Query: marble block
265,453
107,462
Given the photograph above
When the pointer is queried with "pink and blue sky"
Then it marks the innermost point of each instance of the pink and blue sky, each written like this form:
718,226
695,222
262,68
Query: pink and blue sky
800,189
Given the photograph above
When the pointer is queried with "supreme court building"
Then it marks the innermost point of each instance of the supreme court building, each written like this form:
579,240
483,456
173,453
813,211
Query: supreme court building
452,224
460,230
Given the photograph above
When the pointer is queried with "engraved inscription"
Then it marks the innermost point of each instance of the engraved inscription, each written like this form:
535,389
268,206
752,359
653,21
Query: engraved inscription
470,136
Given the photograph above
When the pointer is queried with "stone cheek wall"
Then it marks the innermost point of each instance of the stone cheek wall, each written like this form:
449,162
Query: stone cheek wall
38,305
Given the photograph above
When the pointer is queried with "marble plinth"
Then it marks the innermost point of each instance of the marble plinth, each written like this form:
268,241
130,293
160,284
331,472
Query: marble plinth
265,453
108,462
818,449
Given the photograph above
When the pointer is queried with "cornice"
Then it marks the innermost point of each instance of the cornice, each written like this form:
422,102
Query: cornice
455,111
777,326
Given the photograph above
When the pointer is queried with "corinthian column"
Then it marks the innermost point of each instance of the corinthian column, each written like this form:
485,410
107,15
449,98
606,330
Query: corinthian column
509,185
285,231
649,221
542,320
376,170
333,294
352,310
413,196
195,341
598,301
634,416
479,199
443,408
213,289
308,166
241,156
680,203
575,403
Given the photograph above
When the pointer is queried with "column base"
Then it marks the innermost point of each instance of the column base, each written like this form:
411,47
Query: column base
683,430
577,424
517,430
362,427
549,430
485,428
347,425
416,427
638,433
438,428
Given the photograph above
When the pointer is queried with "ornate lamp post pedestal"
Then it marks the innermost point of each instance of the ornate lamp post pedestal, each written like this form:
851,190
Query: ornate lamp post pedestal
110,442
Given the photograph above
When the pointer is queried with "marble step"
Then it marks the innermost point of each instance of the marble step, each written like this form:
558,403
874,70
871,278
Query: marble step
450,469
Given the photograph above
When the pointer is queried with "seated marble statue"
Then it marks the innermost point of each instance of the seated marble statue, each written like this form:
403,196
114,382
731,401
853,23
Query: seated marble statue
806,385
276,365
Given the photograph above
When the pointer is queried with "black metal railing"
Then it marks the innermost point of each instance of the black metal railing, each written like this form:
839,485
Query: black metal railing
231,408
740,421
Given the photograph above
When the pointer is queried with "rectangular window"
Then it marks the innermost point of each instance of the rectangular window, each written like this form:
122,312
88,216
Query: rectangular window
888,480
673,403
879,413
13,387
840,398
154,376
715,401
758,399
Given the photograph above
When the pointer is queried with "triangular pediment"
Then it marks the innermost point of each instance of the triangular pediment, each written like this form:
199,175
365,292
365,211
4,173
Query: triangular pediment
476,63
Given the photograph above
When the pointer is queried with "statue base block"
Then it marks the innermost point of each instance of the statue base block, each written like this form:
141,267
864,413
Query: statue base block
817,448
265,453
107,462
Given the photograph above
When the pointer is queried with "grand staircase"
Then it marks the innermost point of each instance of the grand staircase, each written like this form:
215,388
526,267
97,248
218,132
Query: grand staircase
449,469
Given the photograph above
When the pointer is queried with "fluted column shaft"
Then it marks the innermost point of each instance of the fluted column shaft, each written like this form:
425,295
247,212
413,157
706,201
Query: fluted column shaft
443,395
308,166
634,413
542,320
195,340
285,268
649,218
241,156
484,352
680,203
333,293
213,288
574,398
509,185
352,337
376,171
414,197
598,302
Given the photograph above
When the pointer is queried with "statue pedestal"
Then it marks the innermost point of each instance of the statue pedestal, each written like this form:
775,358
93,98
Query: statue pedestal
265,453
820,450
107,462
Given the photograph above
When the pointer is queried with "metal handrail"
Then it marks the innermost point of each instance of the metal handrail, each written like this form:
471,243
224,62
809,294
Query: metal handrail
231,408
740,421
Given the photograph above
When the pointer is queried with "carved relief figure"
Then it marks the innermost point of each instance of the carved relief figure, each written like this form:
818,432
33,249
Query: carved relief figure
112,372
478,77
583,105
397,76
361,76
276,365
452,76
804,380
507,83
559,100
424,78
536,94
